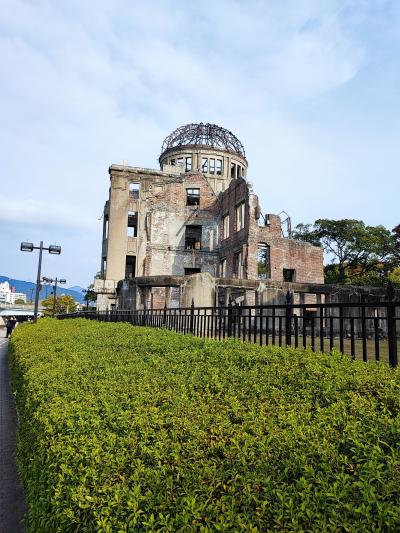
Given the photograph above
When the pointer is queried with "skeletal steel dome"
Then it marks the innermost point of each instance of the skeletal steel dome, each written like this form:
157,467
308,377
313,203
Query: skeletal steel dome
203,135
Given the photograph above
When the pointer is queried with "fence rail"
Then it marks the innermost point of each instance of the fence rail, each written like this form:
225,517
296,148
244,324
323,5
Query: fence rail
368,331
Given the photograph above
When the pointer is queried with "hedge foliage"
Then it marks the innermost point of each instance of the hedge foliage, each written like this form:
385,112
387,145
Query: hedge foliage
132,429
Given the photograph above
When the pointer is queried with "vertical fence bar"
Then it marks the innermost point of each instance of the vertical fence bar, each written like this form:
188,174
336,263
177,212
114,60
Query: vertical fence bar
352,340
321,329
288,325
376,338
364,334
392,334
341,333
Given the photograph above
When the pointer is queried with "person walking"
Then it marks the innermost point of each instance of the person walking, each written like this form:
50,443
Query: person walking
10,325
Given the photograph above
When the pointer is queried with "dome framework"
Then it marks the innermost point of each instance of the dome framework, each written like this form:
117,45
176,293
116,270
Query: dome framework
203,135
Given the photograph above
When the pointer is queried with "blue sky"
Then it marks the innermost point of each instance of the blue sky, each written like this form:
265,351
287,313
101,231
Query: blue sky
311,88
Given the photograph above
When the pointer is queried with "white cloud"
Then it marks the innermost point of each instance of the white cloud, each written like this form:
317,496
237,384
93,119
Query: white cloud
86,84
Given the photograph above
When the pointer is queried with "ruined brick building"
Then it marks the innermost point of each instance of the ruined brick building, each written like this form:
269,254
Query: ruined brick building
196,215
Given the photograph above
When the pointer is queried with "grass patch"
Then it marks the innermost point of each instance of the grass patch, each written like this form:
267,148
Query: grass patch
132,429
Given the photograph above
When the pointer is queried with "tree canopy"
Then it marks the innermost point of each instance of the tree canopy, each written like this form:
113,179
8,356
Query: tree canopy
64,304
359,254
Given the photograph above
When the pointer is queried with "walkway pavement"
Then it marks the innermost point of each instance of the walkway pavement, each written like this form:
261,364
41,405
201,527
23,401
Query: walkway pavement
12,505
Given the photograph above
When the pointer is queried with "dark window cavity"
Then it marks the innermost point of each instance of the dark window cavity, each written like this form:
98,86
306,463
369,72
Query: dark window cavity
192,196
193,238
289,274
190,271
130,265
132,223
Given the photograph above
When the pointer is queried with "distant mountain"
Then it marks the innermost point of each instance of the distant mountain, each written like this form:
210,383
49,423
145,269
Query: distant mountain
76,288
28,288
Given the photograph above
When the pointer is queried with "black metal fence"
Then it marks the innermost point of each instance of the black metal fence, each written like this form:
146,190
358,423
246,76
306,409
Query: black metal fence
368,331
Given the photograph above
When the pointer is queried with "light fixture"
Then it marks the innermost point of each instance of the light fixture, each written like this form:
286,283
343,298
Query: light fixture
26,246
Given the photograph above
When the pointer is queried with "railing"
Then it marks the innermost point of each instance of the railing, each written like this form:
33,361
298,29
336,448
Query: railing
361,330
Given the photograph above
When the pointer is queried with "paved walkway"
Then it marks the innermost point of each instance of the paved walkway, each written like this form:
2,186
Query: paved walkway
12,505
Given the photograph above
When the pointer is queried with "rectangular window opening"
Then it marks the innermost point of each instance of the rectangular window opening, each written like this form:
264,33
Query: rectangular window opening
212,166
289,274
238,265
222,268
134,190
193,238
173,162
225,227
240,216
190,271
264,261
179,161
193,196
132,223
204,165
233,170
188,166
130,266
219,167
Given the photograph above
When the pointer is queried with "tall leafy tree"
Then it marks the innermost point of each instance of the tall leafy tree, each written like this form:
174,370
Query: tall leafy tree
64,304
359,253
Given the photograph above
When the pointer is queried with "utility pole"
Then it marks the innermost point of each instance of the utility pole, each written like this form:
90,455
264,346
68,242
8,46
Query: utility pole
29,247
55,281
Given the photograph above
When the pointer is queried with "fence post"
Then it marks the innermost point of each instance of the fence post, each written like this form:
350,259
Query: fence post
230,312
191,323
392,336
288,321
165,315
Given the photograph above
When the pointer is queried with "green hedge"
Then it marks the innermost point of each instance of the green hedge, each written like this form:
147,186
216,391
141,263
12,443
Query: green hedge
132,429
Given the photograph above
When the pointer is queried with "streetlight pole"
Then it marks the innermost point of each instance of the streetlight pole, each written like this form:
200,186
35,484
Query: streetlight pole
37,292
29,247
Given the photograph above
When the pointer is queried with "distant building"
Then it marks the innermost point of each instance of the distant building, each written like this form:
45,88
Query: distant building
197,214
9,295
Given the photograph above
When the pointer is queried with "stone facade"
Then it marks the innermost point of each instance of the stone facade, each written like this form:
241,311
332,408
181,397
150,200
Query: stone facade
195,215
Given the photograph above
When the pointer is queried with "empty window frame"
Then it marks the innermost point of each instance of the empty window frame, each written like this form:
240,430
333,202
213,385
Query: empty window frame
240,216
212,166
225,227
222,269
190,271
238,265
192,196
239,171
204,165
132,223
173,162
233,170
130,266
264,261
105,227
193,238
179,161
188,165
134,190
289,274
219,167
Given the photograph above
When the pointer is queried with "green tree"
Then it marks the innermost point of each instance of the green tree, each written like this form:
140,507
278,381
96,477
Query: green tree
20,301
64,304
359,253
90,295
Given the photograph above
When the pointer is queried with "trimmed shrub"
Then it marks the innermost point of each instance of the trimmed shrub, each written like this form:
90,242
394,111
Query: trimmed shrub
132,429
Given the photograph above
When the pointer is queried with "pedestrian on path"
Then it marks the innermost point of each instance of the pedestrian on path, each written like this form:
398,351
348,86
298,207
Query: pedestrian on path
10,325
